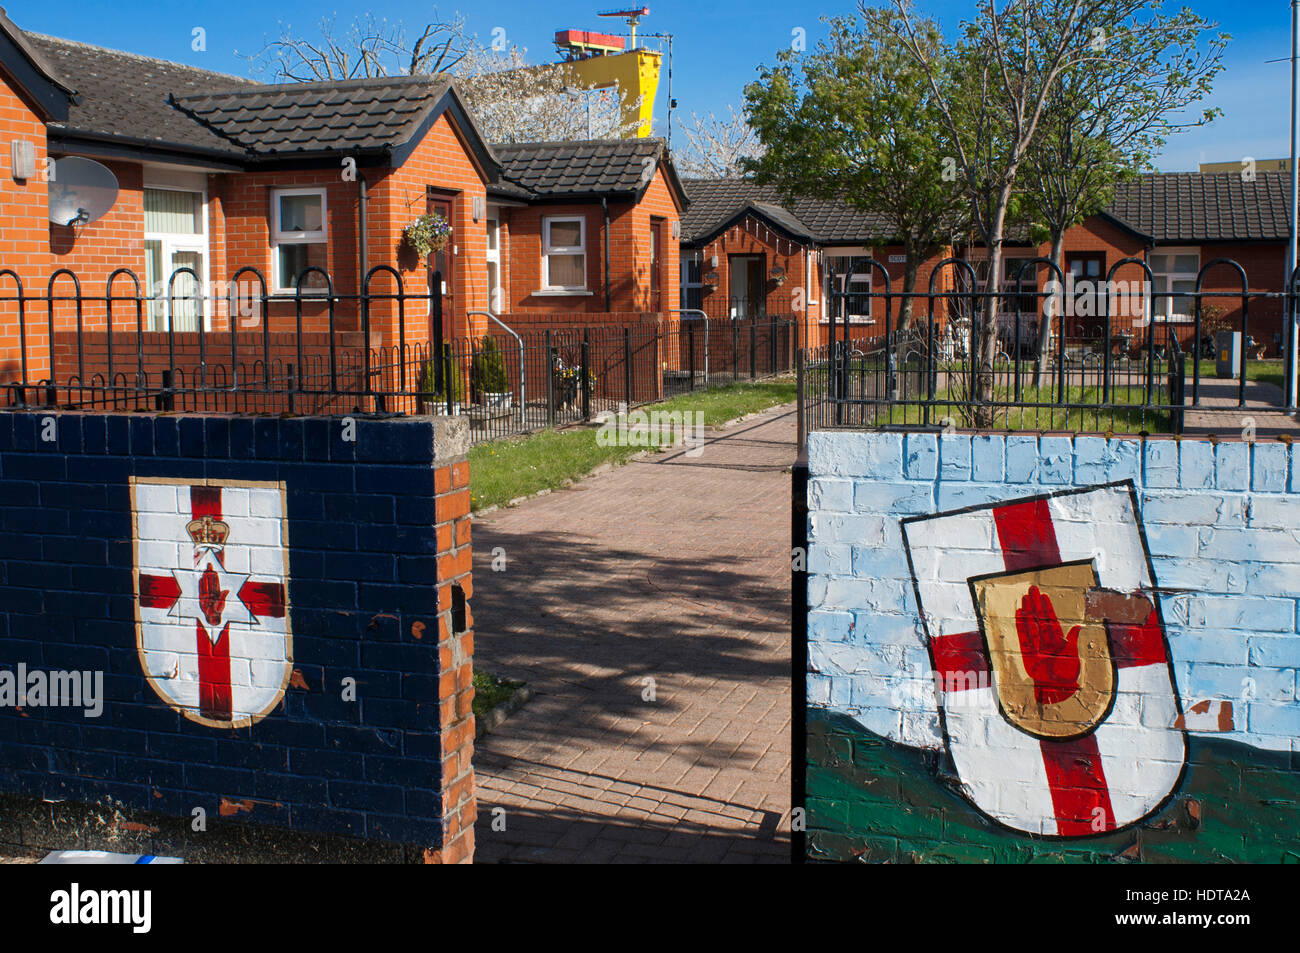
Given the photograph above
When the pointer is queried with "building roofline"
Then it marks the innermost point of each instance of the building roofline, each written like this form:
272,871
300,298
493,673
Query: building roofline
47,90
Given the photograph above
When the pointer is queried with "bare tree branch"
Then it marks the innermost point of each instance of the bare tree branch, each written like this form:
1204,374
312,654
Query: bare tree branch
716,147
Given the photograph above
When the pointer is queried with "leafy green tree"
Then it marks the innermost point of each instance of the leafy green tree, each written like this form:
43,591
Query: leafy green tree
1110,114
854,119
995,85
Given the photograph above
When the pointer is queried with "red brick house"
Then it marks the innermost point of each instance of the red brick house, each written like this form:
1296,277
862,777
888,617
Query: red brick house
747,252
737,236
225,176
587,229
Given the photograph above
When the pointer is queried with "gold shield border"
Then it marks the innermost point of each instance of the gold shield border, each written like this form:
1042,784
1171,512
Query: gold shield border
972,583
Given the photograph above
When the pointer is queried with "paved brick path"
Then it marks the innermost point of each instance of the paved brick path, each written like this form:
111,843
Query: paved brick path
1222,415
674,569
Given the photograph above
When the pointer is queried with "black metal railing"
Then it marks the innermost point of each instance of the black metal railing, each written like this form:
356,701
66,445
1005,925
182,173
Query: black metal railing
1114,356
379,351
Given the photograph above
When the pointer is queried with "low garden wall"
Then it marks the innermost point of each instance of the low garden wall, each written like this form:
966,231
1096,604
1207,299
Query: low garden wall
257,620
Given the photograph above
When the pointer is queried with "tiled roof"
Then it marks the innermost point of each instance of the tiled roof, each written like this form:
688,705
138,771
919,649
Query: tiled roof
125,96
715,202
24,42
329,117
1205,207
141,100
586,168
1165,207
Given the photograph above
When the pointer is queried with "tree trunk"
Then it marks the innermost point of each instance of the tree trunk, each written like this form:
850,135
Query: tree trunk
905,313
985,354
1042,353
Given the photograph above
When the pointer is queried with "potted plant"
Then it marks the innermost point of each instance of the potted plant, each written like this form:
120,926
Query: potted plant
432,398
488,375
429,232
568,381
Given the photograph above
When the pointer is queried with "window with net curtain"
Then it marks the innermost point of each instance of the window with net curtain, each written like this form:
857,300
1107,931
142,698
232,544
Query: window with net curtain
298,235
174,240
1173,281
564,253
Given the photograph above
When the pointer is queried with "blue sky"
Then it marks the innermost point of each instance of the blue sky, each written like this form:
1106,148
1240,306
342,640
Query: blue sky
716,46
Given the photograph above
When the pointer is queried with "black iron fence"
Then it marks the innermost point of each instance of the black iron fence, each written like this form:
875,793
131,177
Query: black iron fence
378,352
1073,355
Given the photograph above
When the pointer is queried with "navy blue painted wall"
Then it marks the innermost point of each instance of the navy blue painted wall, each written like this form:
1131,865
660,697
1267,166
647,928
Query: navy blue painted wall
362,571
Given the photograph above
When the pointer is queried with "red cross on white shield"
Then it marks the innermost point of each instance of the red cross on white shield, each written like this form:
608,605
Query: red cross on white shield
212,574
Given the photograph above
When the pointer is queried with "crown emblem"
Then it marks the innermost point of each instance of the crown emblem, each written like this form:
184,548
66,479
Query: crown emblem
205,531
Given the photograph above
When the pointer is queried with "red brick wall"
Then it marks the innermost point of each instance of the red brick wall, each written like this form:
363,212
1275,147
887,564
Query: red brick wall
523,252
1265,265
244,201
629,255
24,233
441,160
455,661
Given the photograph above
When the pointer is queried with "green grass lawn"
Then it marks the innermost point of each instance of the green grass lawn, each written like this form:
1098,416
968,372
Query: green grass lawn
1072,420
490,691
1269,372
502,470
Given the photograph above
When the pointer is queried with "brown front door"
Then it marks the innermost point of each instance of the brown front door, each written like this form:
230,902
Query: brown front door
1087,301
748,278
656,264
444,262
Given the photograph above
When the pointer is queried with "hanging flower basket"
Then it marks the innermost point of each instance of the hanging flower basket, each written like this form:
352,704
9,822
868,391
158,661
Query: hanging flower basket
429,232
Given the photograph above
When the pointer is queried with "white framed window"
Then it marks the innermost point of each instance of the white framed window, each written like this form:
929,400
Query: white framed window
848,287
692,278
564,253
1174,271
496,294
299,236
813,269
176,238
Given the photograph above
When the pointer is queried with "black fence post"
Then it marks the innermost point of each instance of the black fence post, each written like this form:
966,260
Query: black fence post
550,380
690,343
627,365
735,350
753,348
447,372
585,382
435,307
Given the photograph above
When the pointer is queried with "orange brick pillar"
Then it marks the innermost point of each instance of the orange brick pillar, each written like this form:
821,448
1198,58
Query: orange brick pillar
455,641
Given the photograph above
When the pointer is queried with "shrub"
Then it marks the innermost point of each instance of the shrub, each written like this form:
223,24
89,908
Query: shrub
428,378
488,372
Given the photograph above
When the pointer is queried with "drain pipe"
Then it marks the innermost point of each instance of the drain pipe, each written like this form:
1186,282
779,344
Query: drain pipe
523,388
701,314
363,256
604,207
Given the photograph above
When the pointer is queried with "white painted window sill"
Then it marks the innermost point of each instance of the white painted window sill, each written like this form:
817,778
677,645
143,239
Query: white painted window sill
562,293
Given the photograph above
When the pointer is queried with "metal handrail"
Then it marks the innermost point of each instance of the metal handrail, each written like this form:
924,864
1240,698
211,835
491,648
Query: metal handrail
705,317
523,385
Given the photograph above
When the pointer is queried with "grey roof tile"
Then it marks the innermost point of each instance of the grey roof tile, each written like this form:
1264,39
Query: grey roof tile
716,201
588,167
122,94
319,117
1205,207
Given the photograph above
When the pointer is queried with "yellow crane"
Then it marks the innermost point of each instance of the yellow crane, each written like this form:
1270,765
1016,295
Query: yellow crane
603,60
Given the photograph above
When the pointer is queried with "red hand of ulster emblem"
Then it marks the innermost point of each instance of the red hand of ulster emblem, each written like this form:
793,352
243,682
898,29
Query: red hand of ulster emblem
1050,658
212,598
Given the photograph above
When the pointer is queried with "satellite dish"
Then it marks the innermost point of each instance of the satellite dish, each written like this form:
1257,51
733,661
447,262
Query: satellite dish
81,190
